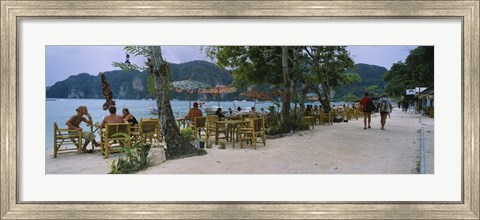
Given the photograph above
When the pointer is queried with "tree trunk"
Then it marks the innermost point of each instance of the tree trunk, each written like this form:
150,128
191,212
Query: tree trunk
177,146
285,114
304,92
323,98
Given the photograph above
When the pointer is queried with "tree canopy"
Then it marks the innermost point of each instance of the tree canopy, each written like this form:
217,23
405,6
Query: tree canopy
416,71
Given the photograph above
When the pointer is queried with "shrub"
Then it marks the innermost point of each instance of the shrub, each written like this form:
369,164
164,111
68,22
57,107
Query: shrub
188,134
222,145
135,160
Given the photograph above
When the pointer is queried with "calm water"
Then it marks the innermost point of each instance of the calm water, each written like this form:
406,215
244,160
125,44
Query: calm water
62,109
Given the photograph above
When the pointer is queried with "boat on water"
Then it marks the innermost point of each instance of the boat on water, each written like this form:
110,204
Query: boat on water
153,110
51,99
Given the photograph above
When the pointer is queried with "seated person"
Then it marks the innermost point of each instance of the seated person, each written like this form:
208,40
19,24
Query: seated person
263,112
74,124
112,118
239,110
253,112
219,113
194,112
127,117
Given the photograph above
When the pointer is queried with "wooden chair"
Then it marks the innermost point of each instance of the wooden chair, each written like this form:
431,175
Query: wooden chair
254,130
211,127
109,141
310,120
64,136
198,125
327,118
149,130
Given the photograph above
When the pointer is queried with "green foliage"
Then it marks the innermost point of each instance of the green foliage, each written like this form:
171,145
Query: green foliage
222,145
416,71
151,85
289,125
369,74
209,145
135,158
350,97
329,69
188,134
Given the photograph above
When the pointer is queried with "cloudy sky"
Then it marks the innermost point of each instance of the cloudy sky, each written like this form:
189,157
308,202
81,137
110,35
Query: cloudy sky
63,61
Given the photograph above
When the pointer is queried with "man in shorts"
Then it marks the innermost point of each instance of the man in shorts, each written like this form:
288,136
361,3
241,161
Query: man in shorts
74,124
385,106
367,114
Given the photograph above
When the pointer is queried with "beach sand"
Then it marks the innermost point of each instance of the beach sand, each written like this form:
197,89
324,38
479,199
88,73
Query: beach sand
344,148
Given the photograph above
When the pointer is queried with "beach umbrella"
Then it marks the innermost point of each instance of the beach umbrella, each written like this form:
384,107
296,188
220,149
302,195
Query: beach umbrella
107,92
255,95
189,86
219,89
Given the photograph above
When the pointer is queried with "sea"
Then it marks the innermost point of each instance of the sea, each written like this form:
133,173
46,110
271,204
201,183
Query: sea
60,110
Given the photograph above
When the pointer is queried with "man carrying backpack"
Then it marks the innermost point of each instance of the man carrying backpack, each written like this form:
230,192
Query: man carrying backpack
385,107
368,106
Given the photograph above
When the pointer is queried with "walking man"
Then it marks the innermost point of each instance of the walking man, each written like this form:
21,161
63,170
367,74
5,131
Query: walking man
385,106
367,109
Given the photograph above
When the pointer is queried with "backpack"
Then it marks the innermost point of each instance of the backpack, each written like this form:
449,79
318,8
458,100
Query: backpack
371,106
383,106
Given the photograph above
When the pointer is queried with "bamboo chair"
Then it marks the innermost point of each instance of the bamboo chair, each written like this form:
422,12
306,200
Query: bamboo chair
109,141
211,128
149,130
254,130
198,125
310,120
64,136
327,118
135,132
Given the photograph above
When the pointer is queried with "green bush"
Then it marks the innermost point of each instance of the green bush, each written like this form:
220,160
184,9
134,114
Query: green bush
222,145
135,160
288,126
188,134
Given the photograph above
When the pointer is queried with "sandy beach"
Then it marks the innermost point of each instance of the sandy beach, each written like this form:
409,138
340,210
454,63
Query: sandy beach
344,148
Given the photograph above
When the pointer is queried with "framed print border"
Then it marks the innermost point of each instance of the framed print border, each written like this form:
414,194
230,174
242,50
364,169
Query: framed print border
12,11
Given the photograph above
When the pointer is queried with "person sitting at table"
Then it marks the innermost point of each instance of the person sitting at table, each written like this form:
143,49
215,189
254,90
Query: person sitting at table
127,117
74,124
112,118
194,112
219,113
263,112
239,110
253,112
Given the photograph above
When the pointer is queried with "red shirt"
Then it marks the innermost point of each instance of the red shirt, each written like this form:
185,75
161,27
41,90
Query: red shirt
363,102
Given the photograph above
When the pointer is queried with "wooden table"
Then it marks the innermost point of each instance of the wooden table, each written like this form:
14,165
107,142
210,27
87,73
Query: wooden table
182,122
232,126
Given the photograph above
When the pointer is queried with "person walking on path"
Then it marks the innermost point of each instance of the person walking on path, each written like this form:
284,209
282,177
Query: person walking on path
367,109
385,106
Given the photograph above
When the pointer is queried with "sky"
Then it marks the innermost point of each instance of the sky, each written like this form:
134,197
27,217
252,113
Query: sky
64,61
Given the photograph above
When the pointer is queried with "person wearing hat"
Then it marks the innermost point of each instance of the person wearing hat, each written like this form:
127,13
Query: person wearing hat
194,112
74,124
